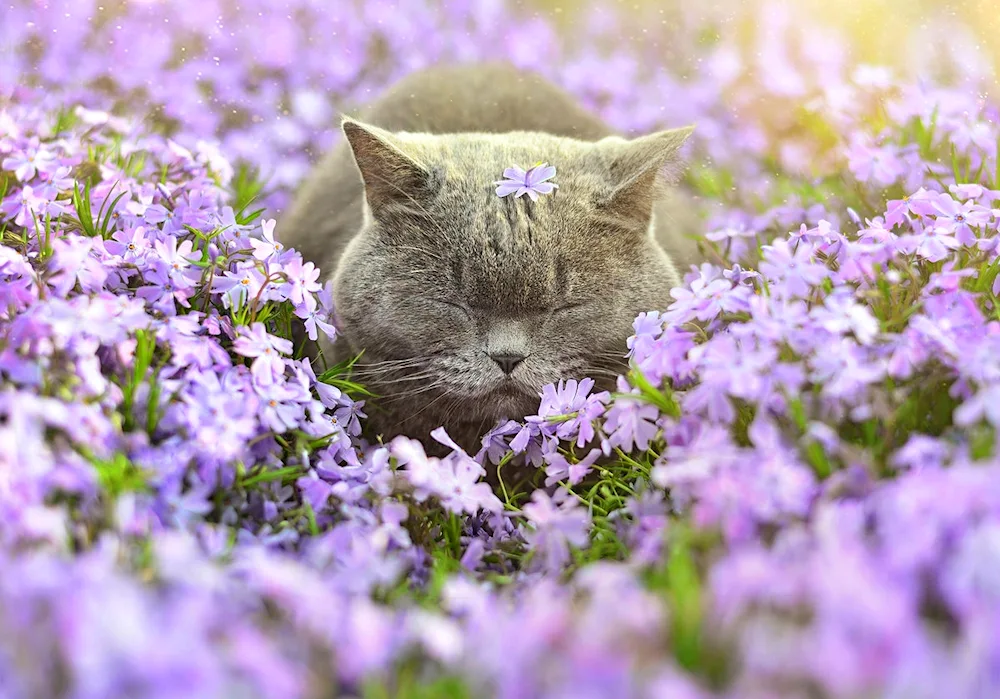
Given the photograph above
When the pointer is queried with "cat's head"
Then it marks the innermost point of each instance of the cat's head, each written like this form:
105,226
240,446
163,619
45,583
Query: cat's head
467,303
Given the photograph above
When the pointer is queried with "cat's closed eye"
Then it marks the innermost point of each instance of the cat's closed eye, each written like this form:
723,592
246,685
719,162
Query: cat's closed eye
467,310
453,304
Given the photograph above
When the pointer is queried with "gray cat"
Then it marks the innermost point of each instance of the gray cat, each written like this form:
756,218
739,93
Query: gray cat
464,302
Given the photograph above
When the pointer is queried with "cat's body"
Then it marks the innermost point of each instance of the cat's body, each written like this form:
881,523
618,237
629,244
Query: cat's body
464,302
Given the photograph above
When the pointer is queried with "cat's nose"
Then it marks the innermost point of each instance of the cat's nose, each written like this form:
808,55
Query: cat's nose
507,361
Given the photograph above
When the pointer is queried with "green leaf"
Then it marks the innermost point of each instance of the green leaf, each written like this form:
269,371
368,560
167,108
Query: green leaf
266,476
142,360
678,580
663,399
118,475
81,204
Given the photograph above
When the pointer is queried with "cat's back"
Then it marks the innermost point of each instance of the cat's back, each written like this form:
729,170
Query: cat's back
490,98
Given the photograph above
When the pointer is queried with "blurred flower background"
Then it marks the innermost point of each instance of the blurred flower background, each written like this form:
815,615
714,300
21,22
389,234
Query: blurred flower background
793,492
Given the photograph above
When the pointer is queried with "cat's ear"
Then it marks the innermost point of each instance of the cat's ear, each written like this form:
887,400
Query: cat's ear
637,169
394,179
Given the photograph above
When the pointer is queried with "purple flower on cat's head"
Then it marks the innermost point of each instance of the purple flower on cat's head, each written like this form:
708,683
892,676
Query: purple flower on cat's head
531,182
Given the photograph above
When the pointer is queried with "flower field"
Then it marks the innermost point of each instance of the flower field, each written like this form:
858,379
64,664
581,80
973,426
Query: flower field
794,492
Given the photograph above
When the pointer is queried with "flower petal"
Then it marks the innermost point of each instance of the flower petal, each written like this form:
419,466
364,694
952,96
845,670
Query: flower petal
541,173
507,188
515,173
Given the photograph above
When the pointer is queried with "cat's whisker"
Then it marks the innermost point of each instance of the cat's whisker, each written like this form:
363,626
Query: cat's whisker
384,390
444,394
392,362
597,371
400,395
450,410
393,374
616,355
373,369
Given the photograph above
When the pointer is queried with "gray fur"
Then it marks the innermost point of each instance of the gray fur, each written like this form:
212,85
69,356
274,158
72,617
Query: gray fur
433,272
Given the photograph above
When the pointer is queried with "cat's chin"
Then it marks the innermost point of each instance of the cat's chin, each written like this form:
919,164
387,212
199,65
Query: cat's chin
508,399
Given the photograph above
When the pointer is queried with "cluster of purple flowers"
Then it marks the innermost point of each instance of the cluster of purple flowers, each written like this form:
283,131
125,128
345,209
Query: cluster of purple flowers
794,491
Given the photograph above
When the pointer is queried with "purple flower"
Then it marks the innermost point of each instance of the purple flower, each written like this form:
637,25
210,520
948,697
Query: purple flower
239,287
630,423
568,410
193,210
554,524
795,267
531,182
131,246
27,208
958,219
844,370
705,299
74,263
647,327
870,163
162,289
930,242
494,445
30,161
268,247
159,214
175,256
281,406
268,365
302,282
921,452
559,468
315,490
55,182
841,314
317,319
453,480
738,275
985,404
349,415
971,581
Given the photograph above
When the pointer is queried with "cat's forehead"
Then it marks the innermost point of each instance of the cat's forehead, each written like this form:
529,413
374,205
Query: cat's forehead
521,231
475,158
